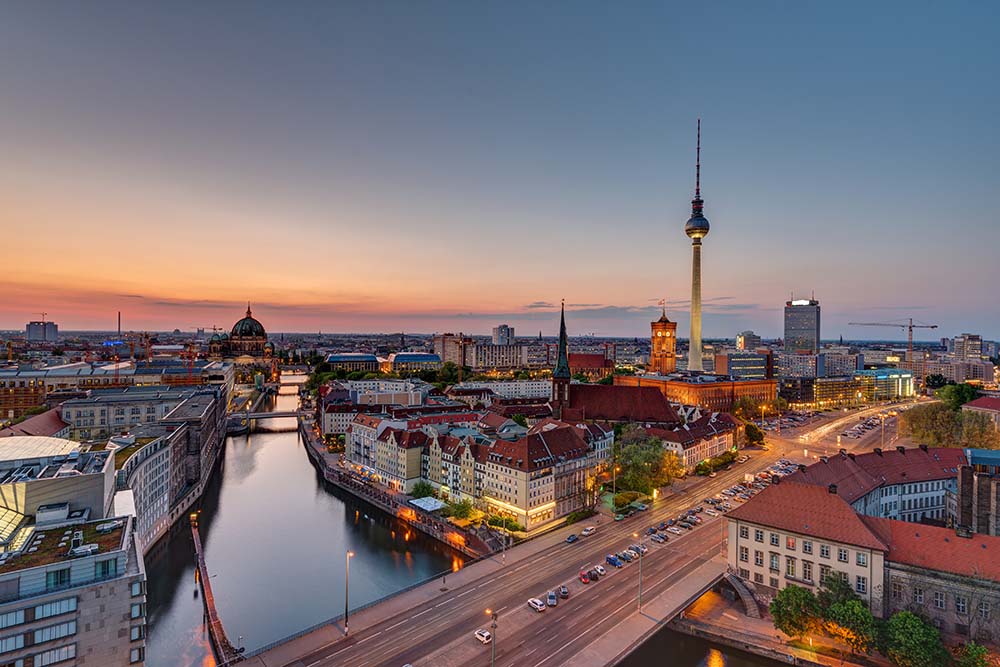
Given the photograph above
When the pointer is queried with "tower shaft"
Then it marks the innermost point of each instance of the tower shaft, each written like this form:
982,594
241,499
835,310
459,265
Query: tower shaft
694,342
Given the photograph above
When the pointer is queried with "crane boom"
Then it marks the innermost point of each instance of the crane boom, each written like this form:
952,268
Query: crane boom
909,326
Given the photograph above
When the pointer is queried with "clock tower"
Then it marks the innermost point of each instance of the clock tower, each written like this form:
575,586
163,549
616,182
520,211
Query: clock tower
663,345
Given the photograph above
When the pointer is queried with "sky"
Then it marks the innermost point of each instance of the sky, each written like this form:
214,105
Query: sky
447,166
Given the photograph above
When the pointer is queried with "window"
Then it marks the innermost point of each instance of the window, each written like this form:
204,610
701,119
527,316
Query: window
961,604
758,535
842,554
807,570
984,610
137,655
790,543
137,632
105,569
918,595
789,567
744,532
861,584
758,577
897,590
56,579
774,582
11,618
758,558
824,551
138,610
774,562
824,572
744,573
775,541
861,559
55,632
744,554
55,608
807,547
938,600
12,643
55,655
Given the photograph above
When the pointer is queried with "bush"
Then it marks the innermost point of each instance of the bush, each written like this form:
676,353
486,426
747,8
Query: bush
422,489
579,515
506,523
625,497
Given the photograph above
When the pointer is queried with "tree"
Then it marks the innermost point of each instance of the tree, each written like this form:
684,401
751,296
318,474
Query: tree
580,377
938,425
912,642
609,379
422,489
853,623
754,435
746,408
448,373
795,611
520,420
834,590
972,655
978,431
935,381
461,509
645,465
957,395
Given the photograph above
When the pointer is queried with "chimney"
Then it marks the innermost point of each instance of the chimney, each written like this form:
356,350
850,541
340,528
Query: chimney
824,459
832,489
878,451
901,449
851,456
923,448
802,467
843,453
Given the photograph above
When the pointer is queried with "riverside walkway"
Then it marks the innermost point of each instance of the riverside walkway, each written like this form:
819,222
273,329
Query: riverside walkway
225,652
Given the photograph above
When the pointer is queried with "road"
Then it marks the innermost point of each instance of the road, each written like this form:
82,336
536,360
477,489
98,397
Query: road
440,630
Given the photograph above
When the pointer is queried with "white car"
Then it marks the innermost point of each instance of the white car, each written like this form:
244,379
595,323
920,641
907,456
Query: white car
588,531
711,513
484,636
600,570
536,604
675,530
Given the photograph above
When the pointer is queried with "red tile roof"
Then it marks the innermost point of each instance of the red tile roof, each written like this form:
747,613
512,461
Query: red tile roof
540,450
807,509
690,434
613,403
859,475
940,549
580,360
984,403
47,423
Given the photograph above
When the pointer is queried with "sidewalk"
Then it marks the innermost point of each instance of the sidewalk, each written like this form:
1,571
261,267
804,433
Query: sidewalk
715,618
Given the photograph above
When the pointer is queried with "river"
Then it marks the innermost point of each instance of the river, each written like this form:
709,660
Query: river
276,535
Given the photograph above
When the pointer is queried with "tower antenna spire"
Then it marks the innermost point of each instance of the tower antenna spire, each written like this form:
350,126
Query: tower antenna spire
697,165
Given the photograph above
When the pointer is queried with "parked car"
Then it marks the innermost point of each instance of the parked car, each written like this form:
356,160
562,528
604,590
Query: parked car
593,575
642,507
613,560
551,600
484,636
662,526
626,556
572,538
675,530
651,530
584,579
670,522
536,604
563,592
658,538
600,570
619,517
713,474
711,513
588,531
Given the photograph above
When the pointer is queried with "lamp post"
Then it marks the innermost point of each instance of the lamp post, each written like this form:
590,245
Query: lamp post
640,568
493,637
614,479
347,581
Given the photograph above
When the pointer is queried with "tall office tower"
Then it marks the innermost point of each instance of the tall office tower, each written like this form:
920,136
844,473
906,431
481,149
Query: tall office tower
747,341
503,335
663,345
41,332
802,326
968,347
696,229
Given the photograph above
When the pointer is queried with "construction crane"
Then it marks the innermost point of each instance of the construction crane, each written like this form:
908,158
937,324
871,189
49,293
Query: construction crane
909,326
43,317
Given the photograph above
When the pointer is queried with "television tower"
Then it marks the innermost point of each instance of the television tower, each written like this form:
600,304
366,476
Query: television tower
697,229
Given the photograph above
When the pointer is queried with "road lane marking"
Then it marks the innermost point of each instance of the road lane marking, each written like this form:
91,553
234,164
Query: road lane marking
421,613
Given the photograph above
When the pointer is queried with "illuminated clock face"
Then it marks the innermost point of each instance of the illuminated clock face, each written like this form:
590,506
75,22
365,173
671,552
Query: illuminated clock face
659,333
668,334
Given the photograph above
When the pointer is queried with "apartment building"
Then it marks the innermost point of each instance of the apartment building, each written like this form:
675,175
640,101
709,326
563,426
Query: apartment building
705,436
105,412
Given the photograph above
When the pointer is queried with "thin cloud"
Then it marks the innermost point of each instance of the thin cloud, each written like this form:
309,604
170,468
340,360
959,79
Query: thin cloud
540,304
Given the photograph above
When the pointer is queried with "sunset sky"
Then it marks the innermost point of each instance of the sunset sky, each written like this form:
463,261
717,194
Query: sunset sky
433,166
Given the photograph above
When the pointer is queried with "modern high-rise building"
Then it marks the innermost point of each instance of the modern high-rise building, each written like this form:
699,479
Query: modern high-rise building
41,332
503,335
663,345
696,228
968,347
747,341
802,326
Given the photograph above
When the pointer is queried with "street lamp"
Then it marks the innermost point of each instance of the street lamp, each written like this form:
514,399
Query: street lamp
614,478
347,580
640,568
493,637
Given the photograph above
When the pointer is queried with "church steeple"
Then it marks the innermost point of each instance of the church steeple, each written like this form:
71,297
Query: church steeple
562,361
248,308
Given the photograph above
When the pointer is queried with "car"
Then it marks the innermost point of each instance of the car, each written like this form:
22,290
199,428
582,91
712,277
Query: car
588,531
626,556
594,576
695,519
484,636
563,592
670,522
651,530
686,526
552,600
600,570
659,539
584,579
711,513
613,560
699,509
675,530
713,474
536,604
572,538
662,526
619,517
642,507
633,554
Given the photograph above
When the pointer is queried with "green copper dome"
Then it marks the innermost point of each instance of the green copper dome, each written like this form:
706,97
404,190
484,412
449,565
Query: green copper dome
249,326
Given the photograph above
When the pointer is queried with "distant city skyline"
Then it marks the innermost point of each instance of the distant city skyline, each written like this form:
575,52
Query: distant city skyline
446,167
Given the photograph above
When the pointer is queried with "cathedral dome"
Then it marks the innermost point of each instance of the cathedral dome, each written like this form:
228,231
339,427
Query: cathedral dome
249,327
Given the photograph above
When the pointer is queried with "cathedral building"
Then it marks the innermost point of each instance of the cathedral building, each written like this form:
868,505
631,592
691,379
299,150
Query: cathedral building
247,339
